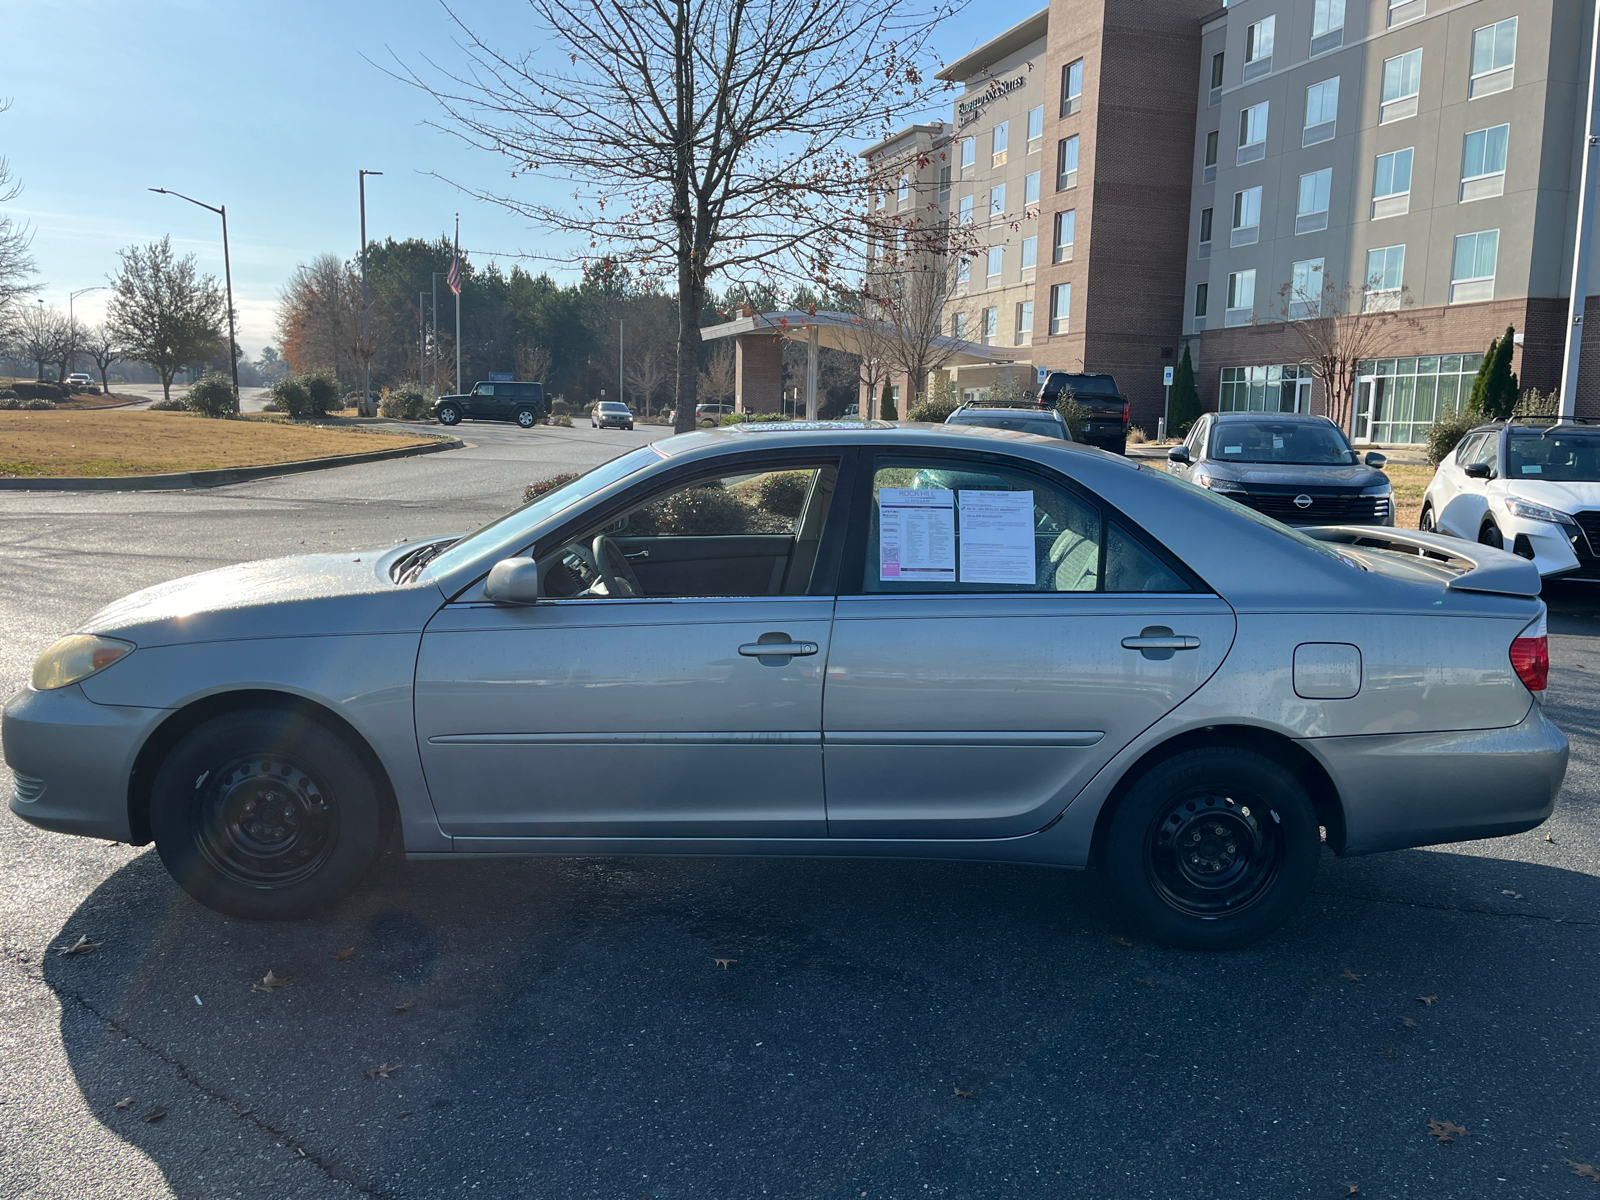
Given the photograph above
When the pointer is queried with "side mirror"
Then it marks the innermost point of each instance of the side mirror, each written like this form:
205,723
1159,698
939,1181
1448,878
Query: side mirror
1179,454
513,581
1374,459
1477,470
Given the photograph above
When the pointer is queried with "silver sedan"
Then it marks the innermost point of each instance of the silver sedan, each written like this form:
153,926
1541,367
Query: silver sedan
937,642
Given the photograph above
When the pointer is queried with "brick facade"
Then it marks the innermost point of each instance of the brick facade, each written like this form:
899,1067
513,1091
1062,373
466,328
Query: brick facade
758,373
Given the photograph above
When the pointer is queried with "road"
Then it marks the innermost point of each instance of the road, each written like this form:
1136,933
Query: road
882,1029
251,399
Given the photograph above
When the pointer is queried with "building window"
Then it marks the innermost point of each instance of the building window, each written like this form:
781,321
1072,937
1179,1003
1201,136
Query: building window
1067,163
1209,175
1411,393
1216,78
1305,289
1472,266
997,200
1001,138
1322,112
964,210
1265,389
1030,256
1494,52
1258,48
997,265
1311,206
1066,230
1205,233
1327,26
969,153
1071,88
1035,128
1385,276
1201,291
1030,189
902,194
991,325
963,273
958,325
1241,298
1060,307
944,185
1402,81
1253,133
1246,217
1401,11
1483,163
1024,323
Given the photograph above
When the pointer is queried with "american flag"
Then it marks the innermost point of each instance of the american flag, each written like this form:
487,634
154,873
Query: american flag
453,280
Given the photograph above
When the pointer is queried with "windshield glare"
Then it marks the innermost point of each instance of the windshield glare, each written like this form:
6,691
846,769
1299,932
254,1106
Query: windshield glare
1301,443
503,537
1567,456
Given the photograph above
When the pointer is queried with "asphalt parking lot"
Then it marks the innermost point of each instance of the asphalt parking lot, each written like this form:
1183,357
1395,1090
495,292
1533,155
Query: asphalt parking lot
562,1028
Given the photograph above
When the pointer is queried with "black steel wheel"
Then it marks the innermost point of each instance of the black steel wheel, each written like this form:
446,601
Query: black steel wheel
263,814
1213,848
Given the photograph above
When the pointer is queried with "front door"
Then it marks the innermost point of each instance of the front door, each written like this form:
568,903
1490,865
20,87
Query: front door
1369,408
1000,638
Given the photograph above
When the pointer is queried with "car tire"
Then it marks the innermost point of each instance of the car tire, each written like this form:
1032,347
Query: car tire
264,815
1234,887
1118,447
1490,535
527,418
449,414
1426,522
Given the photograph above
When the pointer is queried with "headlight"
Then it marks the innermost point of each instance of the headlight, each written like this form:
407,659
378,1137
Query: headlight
1382,489
1222,486
1530,511
76,657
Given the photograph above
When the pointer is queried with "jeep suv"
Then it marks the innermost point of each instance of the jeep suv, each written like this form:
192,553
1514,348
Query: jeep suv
519,402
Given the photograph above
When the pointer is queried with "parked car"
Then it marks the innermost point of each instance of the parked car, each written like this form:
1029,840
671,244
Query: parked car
1295,468
523,403
1012,649
705,415
611,414
80,380
1108,407
1532,487
1023,418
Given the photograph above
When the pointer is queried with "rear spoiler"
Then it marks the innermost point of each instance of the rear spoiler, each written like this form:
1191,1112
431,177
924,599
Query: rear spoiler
1482,568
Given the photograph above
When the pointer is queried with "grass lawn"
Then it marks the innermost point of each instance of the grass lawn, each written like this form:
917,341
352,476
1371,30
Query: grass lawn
88,443
1410,481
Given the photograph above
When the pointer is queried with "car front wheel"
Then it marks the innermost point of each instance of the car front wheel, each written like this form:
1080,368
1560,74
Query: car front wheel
264,815
1213,848
1490,535
449,414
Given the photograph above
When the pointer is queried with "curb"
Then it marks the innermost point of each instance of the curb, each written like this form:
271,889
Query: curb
220,478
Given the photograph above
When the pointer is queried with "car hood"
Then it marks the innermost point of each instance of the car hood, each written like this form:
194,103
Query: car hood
1568,497
1352,475
305,595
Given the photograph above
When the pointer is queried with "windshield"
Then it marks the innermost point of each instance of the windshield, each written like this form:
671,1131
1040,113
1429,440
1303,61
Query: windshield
511,533
1298,443
613,406
1018,421
1563,456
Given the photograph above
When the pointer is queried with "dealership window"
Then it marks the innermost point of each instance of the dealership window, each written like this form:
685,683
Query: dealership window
1258,48
1402,83
991,325
1201,291
1205,233
996,265
1060,307
1483,163
1035,129
944,185
1241,298
1305,289
1030,256
1071,88
1210,173
1391,184
1385,277
1067,163
964,210
1252,133
969,153
1409,394
1246,217
1030,188
1494,55
1216,78
1472,266
1311,206
1327,26
1322,112
1024,333
1066,230
1265,389
958,325
997,200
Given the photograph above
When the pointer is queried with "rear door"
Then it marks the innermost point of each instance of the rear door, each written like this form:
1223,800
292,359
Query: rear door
999,636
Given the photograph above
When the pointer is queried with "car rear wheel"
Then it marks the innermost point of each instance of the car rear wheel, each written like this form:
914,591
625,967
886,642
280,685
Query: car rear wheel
449,414
264,815
526,418
1490,535
1213,848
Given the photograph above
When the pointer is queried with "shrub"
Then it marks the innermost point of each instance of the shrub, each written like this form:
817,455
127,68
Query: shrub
886,409
562,419
323,389
1446,433
934,408
1499,396
782,492
1534,403
30,390
406,403
212,396
1183,407
549,484
560,408
171,404
38,404
305,397
1074,414
748,418
1136,435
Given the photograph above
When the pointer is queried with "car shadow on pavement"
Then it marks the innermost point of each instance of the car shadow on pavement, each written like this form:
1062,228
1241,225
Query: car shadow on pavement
672,1028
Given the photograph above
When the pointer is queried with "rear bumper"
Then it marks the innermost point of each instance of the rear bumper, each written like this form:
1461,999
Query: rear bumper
1421,789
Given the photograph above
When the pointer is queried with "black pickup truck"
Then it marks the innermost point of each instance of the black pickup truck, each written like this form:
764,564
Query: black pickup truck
497,401
1108,407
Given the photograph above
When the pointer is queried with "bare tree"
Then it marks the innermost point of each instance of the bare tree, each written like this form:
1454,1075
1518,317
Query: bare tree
533,363
907,295
102,346
41,335
719,376
16,265
165,312
69,347
699,136
645,375
1339,328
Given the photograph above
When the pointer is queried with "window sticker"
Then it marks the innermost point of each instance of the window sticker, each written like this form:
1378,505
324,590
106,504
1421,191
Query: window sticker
1277,442
1233,449
916,534
997,538
1533,470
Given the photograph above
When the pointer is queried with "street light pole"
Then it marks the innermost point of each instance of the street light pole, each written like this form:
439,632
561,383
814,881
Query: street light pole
435,311
620,394
366,348
80,292
422,345
227,274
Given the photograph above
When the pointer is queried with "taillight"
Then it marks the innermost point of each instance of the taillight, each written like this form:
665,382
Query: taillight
1530,656
1124,412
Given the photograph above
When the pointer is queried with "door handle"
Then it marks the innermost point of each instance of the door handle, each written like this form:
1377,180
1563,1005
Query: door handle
637,554
778,649
1169,642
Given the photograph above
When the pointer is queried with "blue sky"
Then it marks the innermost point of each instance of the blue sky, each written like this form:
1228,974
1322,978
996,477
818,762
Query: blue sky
269,109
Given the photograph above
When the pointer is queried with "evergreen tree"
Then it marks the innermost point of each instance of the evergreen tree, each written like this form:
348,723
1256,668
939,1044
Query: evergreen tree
1500,386
1183,409
1480,381
886,409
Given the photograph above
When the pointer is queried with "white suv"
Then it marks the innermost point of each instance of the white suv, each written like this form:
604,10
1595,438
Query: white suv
1533,489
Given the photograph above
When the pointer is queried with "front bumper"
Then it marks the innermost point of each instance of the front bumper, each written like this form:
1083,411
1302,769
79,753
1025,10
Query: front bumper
1421,789
613,422
72,760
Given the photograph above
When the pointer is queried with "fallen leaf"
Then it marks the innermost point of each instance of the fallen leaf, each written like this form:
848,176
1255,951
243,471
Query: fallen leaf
403,1008
1509,892
1355,1189
1428,1000
1409,1022
155,1114
1385,1052
1549,839
301,1152
270,982
724,962
125,1102
1147,980
382,1071
82,946
345,955
1445,1131
1118,940
1347,973
963,1095
1583,1170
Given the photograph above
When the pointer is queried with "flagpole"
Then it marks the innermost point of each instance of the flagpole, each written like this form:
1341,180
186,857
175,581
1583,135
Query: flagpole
458,307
